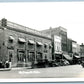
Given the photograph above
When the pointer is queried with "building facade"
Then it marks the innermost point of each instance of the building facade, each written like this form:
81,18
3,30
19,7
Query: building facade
82,50
76,52
22,45
59,31
78,49
61,57
57,44
74,46
69,45
57,49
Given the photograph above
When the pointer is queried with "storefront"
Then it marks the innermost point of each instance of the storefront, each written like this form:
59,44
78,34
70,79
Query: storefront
23,46
30,52
39,52
45,51
58,57
76,59
21,57
10,49
68,58
62,59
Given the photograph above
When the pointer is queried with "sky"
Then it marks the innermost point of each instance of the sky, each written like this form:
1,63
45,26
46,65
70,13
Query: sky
43,15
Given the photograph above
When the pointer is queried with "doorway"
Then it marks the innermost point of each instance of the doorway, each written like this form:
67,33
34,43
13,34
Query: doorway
11,56
21,56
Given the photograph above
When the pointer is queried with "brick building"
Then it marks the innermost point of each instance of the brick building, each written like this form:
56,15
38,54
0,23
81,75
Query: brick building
74,46
57,49
78,48
20,44
61,56
75,52
82,50
69,45
59,31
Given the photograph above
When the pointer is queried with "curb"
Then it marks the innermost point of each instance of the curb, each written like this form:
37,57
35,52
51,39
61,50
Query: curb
5,69
20,68
9,69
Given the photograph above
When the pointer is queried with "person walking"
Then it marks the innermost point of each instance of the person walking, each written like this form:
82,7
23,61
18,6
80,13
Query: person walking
7,64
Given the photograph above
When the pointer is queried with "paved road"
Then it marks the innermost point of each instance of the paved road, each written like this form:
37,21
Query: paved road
71,71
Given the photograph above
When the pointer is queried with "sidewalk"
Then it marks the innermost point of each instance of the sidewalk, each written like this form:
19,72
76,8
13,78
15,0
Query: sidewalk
20,68
5,69
14,68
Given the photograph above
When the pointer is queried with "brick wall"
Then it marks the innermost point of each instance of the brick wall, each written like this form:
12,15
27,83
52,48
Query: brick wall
27,37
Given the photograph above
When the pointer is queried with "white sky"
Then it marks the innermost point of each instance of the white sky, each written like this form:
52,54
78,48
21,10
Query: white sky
42,15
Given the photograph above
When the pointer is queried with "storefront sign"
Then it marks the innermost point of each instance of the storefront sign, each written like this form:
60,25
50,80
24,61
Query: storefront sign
57,44
74,45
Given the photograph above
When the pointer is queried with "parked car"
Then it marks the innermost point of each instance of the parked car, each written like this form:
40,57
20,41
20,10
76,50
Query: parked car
53,63
66,62
82,63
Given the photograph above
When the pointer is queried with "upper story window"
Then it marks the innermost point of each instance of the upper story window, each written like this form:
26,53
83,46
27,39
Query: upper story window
45,45
21,40
4,22
50,46
11,38
31,42
39,44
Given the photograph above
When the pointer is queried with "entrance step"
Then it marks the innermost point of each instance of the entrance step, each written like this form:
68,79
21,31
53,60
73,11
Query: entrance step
20,68
23,65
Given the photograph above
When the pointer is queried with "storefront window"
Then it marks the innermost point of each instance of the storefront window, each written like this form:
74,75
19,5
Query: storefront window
39,57
21,56
11,39
45,46
31,56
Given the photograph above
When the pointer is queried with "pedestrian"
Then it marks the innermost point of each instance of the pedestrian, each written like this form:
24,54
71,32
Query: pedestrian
46,61
82,64
0,64
10,58
7,64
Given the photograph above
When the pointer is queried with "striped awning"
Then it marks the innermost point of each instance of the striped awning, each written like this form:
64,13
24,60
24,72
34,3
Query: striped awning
77,56
39,43
67,57
31,42
22,40
11,38
45,44
50,46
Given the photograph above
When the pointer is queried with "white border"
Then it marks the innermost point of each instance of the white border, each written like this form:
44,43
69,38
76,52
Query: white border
44,80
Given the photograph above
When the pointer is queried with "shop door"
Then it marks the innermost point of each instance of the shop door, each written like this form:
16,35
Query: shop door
11,55
31,57
39,57
21,57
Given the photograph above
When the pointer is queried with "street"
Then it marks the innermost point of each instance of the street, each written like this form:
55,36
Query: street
71,71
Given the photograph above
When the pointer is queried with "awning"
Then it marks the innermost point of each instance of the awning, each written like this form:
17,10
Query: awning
39,43
21,40
50,46
31,42
11,38
58,52
67,57
45,44
77,56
